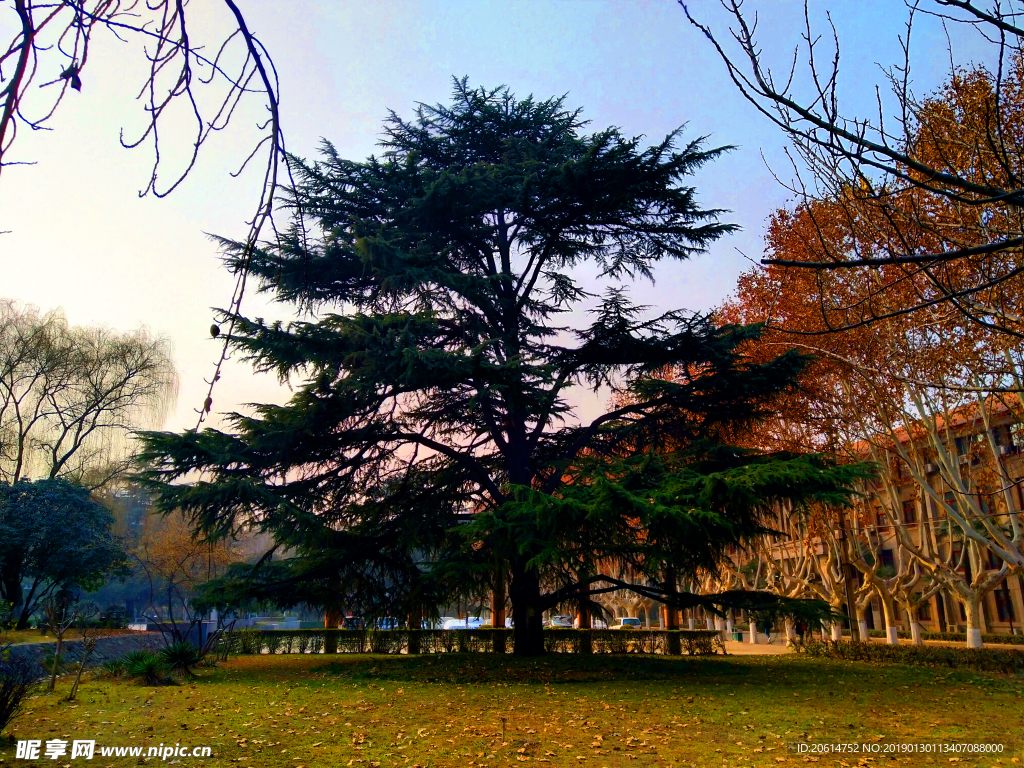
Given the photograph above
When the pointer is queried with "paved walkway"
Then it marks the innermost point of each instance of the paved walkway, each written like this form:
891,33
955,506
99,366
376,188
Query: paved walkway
776,648
107,648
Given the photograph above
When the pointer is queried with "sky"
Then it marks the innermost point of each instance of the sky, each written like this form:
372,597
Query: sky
77,235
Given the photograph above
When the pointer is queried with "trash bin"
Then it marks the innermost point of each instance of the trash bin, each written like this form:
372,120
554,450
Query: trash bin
737,636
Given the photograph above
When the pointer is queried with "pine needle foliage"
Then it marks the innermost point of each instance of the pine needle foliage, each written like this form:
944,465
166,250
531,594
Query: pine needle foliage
431,447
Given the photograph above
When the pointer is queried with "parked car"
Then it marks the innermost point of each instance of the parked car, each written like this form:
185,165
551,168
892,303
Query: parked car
352,622
560,622
467,623
594,623
387,622
627,622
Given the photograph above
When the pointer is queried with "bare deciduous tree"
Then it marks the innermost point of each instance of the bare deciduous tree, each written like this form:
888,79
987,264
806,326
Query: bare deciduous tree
70,397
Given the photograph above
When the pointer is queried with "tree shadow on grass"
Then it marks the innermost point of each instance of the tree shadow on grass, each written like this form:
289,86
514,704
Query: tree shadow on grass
472,669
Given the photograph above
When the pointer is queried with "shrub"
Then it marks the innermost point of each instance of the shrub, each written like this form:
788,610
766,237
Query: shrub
273,642
146,666
350,640
386,640
978,659
17,679
951,637
250,641
180,657
114,668
302,641
316,643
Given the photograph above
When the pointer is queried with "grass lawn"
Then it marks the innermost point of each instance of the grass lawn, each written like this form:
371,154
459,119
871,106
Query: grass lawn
465,710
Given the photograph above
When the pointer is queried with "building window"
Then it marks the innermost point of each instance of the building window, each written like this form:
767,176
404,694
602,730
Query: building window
1004,606
950,498
910,511
924,611
887,559
883,520
1017,435
956,553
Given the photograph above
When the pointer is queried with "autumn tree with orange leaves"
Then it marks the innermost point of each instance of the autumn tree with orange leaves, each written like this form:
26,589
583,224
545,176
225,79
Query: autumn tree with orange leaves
905,392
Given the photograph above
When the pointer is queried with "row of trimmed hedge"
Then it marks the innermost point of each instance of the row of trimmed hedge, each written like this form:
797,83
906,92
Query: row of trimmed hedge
978,659
692,642
951,637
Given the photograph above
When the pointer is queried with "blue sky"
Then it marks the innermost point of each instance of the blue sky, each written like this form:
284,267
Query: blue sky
81,238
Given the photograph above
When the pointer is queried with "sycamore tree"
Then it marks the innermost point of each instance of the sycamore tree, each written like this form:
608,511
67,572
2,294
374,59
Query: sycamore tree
430,446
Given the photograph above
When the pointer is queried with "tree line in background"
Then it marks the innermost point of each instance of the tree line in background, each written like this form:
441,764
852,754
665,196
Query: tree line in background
70,400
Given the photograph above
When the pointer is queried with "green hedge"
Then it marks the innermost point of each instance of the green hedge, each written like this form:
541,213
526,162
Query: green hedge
951,637
694,642
979,659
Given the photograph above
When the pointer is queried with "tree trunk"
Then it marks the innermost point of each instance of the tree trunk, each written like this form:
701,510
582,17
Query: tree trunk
915,632
14,595
528,633
498,601
56,661
837,631
753,633
671,611
498,612
973,607
889,612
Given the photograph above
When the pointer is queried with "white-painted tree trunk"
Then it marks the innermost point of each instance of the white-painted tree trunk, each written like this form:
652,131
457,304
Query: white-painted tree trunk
889,614
753,633
973,607
790,632
862,626
837,631
915,633
728,626
692,624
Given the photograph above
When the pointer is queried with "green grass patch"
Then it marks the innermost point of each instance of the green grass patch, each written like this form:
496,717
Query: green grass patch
450,710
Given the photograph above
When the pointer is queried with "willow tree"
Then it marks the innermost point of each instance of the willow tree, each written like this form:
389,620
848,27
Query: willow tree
430,444
72,396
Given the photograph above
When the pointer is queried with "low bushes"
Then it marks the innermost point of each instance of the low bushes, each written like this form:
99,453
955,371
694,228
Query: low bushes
180,657
957,637
951,637
148,667
978,659
484,640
